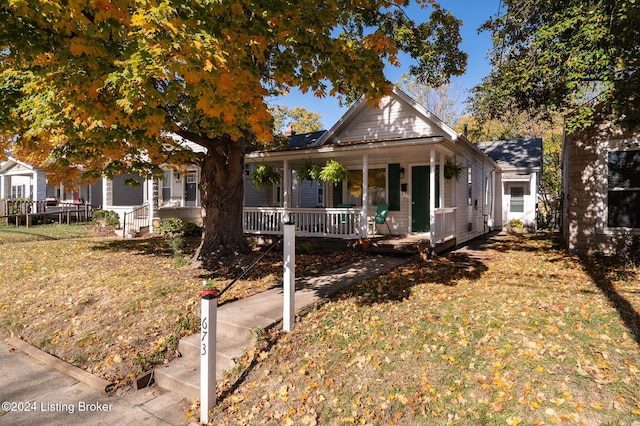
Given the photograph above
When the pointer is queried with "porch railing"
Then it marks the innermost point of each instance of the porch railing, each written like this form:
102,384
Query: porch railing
14,207
445,225
328,222
135,220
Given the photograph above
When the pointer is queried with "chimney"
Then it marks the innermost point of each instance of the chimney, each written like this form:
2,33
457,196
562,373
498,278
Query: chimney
289,131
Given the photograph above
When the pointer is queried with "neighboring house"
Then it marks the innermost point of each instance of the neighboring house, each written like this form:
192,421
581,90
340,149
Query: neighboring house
520,162
601,185
21,180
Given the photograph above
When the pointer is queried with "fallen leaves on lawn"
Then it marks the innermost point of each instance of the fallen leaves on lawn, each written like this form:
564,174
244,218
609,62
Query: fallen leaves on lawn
526,337
116,307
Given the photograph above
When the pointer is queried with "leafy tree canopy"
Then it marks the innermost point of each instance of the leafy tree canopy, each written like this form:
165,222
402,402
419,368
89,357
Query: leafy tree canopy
560,55
103,83
300,119
98,82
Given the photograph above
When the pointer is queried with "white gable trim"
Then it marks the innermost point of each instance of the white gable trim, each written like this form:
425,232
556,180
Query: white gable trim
358,109
11,163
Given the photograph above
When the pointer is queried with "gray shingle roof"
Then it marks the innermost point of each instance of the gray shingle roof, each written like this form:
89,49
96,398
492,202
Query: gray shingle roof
305,139
517,154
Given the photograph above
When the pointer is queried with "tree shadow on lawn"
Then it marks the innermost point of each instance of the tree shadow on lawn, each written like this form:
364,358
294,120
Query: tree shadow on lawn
158,246
601,269
397,284
39,237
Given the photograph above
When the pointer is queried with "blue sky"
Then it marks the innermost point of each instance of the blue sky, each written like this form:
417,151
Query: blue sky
473,13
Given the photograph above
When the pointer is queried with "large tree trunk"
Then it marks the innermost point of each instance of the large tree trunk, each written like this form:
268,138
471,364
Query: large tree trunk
221,194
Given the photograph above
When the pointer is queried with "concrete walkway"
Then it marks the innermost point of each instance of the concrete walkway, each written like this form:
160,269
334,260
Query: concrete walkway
32,393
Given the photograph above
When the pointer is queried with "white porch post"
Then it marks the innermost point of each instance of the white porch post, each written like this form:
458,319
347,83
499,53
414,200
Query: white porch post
34,186
534,196
2,188
151,200
105,192
365,193
441,177
432,196
286,189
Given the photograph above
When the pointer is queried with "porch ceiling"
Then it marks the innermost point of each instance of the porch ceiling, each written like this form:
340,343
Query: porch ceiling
414,150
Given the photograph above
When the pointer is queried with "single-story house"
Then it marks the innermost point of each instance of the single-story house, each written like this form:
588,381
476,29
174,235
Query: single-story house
23,181
396,154
601,186
520,163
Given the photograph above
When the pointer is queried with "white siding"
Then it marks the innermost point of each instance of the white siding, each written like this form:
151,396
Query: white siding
470,218
394,119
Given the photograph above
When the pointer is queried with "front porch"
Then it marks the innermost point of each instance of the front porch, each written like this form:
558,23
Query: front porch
337,222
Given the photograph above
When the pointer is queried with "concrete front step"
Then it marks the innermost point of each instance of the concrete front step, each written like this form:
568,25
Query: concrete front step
230,339
235,322
182,375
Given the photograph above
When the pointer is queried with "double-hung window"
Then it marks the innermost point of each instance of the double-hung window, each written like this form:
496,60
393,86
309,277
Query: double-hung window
623,189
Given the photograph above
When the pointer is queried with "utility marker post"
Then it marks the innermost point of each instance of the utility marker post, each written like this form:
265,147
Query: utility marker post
208,318
289,275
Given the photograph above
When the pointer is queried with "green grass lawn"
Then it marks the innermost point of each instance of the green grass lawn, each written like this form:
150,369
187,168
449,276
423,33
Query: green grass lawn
17,234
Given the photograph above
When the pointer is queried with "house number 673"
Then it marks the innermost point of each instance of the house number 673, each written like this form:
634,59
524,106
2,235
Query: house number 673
203,330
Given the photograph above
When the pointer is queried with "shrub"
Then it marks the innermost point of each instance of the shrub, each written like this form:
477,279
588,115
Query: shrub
175,226
106,218
515,223
19,206
177,245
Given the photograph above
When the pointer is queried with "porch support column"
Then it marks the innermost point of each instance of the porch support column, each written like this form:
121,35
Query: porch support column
2,188
151,200
286,189
534,196
34,187
365,194
432,196
106,190
441,177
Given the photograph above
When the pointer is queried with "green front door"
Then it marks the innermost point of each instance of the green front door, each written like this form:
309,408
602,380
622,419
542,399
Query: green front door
420,199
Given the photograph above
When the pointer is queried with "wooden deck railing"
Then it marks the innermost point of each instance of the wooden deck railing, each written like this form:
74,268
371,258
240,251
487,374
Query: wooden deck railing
24,212
331,222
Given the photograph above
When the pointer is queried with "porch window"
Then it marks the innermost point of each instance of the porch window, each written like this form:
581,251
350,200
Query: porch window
166,185
623,195
517,199
18,191
377,183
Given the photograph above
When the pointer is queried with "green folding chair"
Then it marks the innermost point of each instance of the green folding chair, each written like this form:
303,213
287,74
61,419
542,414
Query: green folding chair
379,218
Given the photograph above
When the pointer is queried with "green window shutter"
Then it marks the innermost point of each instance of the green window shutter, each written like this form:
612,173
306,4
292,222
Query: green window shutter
337,193
394,187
